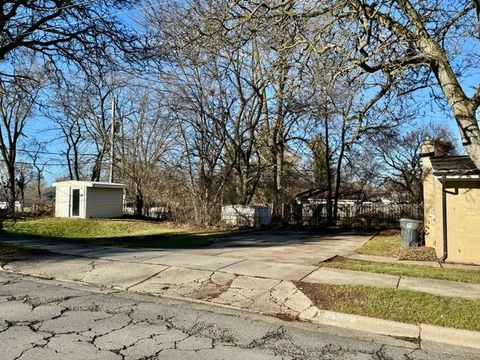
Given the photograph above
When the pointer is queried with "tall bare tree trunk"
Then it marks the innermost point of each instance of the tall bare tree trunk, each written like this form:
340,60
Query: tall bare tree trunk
329,173
12,189
464,109
278,145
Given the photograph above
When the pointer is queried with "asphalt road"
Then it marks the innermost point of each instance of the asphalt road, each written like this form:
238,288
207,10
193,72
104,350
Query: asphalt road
43,319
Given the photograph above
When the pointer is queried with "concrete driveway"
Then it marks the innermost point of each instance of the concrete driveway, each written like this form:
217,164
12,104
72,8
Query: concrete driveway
287,246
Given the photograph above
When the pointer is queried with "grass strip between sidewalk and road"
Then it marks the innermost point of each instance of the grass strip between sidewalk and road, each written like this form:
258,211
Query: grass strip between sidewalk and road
115,232
396,305
412,270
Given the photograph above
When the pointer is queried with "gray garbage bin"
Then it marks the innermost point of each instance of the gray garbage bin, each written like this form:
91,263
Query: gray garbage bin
409,229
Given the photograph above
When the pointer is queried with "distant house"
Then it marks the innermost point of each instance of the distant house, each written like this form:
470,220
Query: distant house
451,189
4,205
88,199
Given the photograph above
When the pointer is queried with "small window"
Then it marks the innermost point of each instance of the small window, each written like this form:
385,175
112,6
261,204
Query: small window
75,202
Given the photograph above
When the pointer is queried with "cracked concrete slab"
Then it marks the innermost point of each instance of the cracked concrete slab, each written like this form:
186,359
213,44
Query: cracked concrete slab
127,336
175,281
15,311
268,296
74,346
17,339
119,275
98,322
271,270
195,343
58,267
127,255
200,262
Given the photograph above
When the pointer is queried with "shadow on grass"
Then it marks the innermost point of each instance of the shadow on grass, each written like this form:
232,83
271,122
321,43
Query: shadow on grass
180,240
250,238
10,253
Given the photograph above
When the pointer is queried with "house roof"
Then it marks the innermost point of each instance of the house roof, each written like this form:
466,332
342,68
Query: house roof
93,184
456,166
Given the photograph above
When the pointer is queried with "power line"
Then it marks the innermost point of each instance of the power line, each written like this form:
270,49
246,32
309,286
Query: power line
82,162
52,153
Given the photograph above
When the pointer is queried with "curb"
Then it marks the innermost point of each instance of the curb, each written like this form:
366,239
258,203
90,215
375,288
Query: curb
422,333
367,324
450,336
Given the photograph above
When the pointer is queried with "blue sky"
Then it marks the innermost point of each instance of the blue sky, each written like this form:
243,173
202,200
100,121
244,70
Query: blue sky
42,129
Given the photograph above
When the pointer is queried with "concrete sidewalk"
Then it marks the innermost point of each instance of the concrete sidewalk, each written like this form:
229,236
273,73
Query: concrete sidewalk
258,286
394,260
149,263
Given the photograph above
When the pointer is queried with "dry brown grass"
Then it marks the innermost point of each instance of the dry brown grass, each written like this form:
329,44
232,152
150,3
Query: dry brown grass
421,253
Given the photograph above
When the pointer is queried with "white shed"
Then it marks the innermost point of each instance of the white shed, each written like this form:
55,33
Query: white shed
246,215
88,199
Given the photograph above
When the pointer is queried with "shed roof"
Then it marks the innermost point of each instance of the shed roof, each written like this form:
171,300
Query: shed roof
93,184
457,166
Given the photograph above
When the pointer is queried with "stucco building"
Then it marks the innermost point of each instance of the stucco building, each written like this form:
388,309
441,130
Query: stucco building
451,189
88,199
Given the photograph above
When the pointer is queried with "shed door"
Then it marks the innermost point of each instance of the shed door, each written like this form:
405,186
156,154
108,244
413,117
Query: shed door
75,202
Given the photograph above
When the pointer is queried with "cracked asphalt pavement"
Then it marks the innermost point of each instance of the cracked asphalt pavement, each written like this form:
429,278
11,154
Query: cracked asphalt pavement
45,319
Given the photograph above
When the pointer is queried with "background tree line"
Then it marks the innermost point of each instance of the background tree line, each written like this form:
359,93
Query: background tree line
205,103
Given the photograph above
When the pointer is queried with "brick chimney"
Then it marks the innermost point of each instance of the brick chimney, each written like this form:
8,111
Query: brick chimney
428,150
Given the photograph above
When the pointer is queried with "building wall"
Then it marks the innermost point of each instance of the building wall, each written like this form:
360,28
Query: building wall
463,226
106,203
463,218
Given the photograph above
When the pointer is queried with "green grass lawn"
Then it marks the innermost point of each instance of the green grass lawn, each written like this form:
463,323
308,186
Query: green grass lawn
382,245
470,276
114,232
397,305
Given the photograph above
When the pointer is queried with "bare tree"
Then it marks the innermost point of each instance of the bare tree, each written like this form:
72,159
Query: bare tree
17,101
423,41
36,152
78,31
24,176
145,138
68,114
400,155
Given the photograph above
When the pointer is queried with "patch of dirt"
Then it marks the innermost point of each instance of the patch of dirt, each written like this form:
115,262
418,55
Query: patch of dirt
336,258
389,232
421,253
285,317
210,290
325,296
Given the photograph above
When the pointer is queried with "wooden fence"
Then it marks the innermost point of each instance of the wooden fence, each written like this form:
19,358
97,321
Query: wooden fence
359,214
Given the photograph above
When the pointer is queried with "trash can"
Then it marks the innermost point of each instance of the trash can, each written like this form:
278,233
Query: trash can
409,232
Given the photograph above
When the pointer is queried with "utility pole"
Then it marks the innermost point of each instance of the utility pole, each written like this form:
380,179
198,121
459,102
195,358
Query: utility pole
112,139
